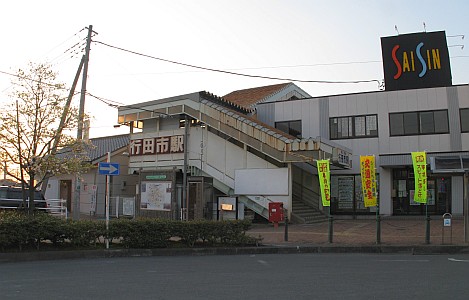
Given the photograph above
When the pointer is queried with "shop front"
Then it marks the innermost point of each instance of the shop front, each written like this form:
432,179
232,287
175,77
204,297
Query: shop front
438,193
347,196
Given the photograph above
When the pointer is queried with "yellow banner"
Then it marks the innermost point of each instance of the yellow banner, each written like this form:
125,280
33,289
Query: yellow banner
367,169
419,160
324,181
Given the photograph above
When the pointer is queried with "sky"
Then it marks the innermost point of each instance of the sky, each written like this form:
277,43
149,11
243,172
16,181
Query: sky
291,39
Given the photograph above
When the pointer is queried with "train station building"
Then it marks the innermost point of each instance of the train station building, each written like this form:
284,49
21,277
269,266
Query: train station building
204,156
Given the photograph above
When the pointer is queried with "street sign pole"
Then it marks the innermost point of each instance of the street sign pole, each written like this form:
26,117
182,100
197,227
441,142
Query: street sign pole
109,169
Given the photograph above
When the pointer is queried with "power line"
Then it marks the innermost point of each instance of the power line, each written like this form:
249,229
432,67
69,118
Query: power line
111,103
235,73
267,67
57,86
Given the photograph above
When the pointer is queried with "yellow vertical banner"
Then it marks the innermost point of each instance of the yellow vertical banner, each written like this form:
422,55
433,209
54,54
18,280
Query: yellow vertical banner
419,160
368,174
324,181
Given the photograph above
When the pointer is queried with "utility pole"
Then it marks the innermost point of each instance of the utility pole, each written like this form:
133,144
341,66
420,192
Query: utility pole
185,199
53,150
81,113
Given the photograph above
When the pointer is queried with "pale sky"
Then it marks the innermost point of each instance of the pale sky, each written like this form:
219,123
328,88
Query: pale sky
306,40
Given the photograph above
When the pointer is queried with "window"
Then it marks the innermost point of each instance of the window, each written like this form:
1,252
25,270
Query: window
291,127
414,123
347,195
353,127
464,117
402,193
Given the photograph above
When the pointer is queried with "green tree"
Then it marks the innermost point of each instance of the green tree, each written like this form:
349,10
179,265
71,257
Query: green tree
30,131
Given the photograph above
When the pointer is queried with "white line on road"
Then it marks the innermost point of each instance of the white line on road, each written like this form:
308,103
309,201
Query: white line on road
263,262
405,260
458,260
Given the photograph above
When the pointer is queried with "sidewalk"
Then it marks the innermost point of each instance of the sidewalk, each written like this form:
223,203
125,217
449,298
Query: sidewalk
398,235
395,231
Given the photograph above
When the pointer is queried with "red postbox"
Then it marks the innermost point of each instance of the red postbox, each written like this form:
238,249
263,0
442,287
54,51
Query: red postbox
275,212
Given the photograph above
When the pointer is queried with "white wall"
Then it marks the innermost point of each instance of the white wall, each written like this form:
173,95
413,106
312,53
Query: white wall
380,103
52,191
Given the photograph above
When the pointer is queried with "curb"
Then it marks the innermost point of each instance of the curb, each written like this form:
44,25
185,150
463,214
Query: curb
266,249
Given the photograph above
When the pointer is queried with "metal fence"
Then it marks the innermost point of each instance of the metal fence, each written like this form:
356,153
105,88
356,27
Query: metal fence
121,207
56,207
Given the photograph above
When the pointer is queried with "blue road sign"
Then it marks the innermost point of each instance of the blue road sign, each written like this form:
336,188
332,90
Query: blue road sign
107,168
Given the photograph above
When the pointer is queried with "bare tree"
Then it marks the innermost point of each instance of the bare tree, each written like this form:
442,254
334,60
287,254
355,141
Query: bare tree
31,126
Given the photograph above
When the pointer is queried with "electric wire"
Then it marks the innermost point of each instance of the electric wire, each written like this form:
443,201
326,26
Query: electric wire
62,43
57,86
236,73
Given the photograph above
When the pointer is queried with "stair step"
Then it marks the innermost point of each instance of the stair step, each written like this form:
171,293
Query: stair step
307,214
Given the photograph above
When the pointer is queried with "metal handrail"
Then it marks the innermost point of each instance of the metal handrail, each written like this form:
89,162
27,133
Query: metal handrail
60,209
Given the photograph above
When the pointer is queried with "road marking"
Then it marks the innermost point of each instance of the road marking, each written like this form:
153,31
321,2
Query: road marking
458,260
263,262
405,260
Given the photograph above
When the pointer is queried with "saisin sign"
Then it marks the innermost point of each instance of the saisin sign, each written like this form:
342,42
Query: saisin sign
417,60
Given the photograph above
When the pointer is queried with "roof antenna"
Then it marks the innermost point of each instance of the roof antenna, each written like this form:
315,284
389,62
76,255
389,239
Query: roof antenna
457,35
424,27
395,27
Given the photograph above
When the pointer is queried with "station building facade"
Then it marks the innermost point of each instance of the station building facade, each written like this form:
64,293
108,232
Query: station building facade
282,127
204,156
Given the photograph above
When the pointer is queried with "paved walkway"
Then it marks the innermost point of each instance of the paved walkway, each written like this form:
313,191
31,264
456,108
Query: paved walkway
394,231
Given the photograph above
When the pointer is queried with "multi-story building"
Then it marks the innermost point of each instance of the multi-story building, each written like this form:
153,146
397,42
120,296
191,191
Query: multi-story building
203,156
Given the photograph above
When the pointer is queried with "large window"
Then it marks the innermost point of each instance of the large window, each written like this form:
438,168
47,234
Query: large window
291,127
414,123
347,195
464,117
353,127
402,193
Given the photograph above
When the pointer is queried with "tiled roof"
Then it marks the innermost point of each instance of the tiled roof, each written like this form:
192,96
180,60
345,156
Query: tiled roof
106,144
100,147
224,102
249,97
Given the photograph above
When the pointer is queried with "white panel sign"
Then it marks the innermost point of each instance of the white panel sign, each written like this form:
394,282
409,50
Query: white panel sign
128,206
156,195
261,181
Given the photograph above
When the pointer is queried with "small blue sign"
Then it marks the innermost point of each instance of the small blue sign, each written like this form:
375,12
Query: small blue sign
447,222
107,168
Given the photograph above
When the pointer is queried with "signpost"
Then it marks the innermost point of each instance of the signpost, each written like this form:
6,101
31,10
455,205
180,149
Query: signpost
109,169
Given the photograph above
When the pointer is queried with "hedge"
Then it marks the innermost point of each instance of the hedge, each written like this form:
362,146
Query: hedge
20,232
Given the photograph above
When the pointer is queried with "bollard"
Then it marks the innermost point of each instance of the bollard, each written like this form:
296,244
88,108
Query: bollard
378,229
427,231
286,228
331,228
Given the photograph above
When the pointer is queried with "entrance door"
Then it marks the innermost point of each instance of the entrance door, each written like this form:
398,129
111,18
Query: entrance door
443,195
66,193
438,194
200,197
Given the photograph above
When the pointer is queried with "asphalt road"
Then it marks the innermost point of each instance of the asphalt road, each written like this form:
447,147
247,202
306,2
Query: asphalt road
272,276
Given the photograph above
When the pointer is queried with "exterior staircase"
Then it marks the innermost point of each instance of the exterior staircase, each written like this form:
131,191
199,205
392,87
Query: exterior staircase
303,213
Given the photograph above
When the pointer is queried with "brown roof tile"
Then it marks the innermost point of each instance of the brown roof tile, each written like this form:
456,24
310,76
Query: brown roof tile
249,97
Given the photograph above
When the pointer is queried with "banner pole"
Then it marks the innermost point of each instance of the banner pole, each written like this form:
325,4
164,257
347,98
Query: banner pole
427,225
331,226
378,217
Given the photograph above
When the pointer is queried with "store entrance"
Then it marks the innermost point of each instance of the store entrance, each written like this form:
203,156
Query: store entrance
438,194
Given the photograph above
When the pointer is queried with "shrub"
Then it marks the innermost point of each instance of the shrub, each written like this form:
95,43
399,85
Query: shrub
20,231
141,233
84,233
